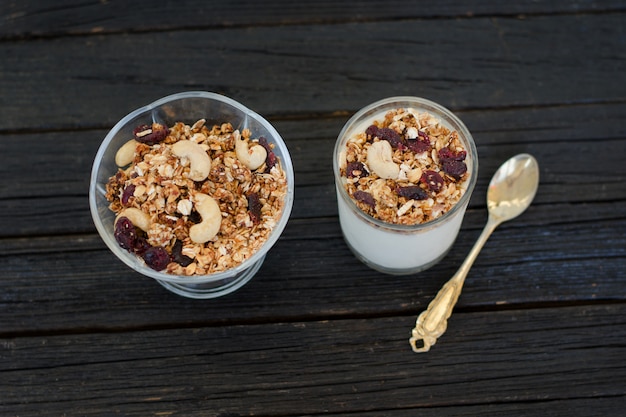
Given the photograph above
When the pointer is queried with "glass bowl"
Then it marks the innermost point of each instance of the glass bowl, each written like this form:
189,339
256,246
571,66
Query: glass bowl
187,107
398,249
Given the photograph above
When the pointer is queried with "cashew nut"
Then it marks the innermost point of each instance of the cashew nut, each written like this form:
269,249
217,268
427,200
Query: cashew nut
136,217
211,215
379,159
414,175
251,156
126,153
199,160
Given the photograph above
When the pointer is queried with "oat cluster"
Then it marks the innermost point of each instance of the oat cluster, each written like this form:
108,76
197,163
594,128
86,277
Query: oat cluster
423,176
159,183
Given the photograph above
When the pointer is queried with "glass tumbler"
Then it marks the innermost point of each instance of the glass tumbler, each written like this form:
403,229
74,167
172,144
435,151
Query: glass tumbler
395,248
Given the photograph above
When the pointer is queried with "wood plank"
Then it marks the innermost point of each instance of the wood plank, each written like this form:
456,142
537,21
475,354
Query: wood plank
487,361
473,63
37,18
610,406
47,279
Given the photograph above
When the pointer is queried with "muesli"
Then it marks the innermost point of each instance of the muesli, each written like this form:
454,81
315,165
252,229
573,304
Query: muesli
195,200
405,169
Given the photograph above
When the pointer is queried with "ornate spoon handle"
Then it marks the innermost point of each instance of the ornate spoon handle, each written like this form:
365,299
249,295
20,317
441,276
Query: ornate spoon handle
433,321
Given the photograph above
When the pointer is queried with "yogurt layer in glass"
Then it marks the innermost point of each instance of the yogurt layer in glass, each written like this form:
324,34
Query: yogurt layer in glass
405,168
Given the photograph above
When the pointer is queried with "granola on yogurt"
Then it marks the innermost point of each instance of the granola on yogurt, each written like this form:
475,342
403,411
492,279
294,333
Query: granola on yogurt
407,168
195,200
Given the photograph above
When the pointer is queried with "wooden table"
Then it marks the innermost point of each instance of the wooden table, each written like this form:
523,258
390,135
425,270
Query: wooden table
540,328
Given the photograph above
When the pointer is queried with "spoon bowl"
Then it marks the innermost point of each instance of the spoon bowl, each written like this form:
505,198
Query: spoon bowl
513,187
511,191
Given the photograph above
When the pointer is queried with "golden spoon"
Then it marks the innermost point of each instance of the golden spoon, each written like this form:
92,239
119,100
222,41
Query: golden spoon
510,192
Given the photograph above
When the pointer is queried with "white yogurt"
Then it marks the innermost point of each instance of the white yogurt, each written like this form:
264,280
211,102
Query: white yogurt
392,248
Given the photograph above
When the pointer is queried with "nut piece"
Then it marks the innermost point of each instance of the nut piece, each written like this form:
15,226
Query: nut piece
136,217
199,160
252,157
379,159
184,207
126,153
414,175
211,215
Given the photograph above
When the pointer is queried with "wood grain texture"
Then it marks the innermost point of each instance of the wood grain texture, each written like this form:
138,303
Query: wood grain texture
539,328
338,366
311,69
79,277
71,17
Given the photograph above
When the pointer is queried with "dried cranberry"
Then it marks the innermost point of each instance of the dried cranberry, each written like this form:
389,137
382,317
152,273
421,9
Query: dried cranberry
391,136
418,145
140,129
372,132
452,162
449,154
432,180
127,194
194,217
385,133
364,197
177,254
270,160
356,170
125,233
412,192
156,258
141,245
264,143
151,134
254,207
453,168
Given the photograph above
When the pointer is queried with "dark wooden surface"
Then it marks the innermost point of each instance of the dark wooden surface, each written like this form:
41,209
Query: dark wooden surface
540,328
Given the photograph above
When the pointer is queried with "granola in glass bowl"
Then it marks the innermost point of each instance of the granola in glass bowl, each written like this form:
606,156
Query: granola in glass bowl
192,190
